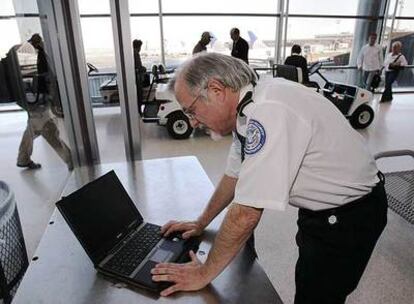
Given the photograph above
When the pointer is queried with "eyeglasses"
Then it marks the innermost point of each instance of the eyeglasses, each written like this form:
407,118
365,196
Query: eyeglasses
189,111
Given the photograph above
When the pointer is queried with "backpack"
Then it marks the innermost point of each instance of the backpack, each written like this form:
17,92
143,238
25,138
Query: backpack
376,80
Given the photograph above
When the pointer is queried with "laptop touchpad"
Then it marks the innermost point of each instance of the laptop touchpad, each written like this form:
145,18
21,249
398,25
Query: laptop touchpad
161,255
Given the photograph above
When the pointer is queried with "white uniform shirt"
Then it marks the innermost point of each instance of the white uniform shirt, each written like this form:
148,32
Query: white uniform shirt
299,149
390,58
370,58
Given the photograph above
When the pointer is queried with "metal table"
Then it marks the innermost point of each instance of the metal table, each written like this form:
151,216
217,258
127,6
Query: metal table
163,189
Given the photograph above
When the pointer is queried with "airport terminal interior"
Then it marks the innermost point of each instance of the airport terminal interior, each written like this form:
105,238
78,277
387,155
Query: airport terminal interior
100,111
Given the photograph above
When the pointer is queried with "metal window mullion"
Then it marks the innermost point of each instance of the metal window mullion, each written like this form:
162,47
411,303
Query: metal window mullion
74,79
384,22
51,10
78,65
323,16
161,32
392,27
333,16
126,79
286,13
279,27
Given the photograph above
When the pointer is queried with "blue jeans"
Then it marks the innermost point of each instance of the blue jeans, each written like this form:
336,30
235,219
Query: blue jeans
367,78
390,77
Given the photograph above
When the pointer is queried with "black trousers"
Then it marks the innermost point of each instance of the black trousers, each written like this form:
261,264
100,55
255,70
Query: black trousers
390,77
335,246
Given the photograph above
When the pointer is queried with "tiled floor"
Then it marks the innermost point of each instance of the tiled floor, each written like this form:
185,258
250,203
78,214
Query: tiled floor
389,277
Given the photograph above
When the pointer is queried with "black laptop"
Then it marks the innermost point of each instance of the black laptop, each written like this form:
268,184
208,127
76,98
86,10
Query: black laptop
114,235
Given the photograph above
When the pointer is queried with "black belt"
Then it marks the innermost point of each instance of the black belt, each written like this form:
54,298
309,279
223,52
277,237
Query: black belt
351,205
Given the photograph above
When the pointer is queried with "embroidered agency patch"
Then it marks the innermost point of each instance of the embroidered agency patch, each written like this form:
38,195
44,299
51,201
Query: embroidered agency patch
255,137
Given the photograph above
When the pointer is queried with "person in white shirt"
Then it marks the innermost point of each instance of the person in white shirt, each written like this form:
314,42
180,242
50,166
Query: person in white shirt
394,62
370,60
290,146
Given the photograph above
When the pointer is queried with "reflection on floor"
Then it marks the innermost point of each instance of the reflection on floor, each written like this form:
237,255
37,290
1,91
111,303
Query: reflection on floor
389,277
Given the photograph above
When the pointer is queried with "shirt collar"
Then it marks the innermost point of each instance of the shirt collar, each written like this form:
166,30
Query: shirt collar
245,98
244,90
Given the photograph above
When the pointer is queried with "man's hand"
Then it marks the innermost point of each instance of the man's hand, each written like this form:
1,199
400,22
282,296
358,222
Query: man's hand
221,198
189,276
236,228
189,229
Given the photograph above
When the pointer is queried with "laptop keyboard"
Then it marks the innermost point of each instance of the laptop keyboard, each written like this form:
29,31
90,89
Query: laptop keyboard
134,252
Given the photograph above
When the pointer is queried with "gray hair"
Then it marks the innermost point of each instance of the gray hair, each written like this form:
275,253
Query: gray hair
229,71
395,43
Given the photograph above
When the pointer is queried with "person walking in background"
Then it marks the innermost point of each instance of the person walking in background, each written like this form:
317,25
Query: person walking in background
201,46
240,47
394,62
40,120
370,60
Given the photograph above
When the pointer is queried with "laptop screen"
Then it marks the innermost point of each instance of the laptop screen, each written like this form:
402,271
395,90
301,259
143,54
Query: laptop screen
100,214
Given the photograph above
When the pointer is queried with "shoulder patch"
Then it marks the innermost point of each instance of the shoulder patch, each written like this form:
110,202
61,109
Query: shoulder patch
255,137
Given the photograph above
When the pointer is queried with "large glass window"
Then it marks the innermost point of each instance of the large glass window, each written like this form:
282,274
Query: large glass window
6,8
324,7
406,8
99,49
322,39
98,43
403,29
180,38
10,37
143,7
147,29
220,6
18,28
89,7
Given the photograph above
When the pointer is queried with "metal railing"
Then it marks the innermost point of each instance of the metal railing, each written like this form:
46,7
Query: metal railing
95,82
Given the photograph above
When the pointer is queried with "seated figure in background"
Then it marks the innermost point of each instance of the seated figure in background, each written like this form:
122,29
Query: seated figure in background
140,70
297,60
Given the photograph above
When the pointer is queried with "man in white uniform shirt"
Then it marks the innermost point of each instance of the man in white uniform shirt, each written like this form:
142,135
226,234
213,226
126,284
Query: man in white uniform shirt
290,146
370,60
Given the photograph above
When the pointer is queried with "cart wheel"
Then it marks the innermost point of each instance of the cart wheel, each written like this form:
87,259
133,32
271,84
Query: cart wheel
178,125
362,117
